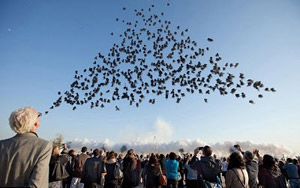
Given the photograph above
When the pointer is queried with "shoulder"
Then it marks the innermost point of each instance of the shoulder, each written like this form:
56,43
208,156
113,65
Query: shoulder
6,142
41,144
230,171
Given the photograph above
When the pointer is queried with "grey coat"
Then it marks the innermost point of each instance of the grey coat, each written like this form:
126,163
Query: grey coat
24,161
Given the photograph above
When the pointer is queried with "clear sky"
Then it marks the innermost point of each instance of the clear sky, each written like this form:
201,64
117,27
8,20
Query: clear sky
42,43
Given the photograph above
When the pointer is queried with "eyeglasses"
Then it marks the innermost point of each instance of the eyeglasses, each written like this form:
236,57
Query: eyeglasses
40,114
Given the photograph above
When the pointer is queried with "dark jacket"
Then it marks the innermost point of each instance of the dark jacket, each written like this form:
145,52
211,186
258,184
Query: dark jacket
252,169
208,167
63,161
79,163
129,171
110,180
152,175
271,178
92,170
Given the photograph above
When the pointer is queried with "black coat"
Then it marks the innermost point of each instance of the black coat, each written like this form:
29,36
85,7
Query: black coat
208,167
152,176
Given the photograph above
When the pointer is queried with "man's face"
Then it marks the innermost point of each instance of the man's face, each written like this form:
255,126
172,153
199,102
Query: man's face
37,122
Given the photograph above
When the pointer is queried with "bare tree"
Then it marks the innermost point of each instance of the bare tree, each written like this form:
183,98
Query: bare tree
58,141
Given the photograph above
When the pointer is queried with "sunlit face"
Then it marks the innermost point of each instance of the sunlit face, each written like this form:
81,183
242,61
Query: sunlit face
37,123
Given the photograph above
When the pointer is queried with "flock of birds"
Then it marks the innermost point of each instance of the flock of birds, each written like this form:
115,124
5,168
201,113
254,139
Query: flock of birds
154,59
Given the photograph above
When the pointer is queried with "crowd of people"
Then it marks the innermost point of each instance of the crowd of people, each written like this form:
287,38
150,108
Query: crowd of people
29,161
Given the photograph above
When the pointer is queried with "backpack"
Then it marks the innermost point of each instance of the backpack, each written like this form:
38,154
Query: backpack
59,171
118,174
211,179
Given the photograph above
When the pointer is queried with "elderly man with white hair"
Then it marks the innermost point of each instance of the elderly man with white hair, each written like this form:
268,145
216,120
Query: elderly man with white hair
24,158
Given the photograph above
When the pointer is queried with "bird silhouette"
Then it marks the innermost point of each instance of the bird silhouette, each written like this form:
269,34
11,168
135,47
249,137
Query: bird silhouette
154,59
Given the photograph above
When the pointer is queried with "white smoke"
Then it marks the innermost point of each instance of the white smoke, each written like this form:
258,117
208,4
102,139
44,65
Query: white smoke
158,141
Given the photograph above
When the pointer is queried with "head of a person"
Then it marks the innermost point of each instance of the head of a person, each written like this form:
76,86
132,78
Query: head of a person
72,152
130,153
224,159
102,153
24,120
207,151
55,150
84,149
96,153
248,156
64,151
289,160
153,159
236,161
295,161
280,164
111,155
238,147
162,157
268,161
172,156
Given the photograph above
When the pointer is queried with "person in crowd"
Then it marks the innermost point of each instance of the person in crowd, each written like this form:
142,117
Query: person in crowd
78,166
181,170
252,169
152,172
207,168
224,164
120,160
218,161
138,166
56,157
142,168
24,158
129,170
111,164
269,175
145,163
70,168
172,170
66,157
102,154
238,148
191,180
93,170
297,163
236,175
292,173
162,160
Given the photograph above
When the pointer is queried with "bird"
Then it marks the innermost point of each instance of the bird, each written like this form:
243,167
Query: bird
152,59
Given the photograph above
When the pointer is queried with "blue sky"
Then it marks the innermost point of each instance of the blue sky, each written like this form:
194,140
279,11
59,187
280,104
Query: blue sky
42,43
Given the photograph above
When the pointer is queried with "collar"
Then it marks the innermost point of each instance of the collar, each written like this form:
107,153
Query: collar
28,134
35,134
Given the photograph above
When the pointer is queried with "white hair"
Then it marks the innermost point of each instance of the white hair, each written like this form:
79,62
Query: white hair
22,120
